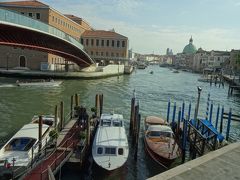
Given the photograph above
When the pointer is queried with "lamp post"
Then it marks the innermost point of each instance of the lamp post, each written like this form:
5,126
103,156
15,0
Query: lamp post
197,105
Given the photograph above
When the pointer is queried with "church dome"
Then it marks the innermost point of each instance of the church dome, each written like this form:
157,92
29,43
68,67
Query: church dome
190,48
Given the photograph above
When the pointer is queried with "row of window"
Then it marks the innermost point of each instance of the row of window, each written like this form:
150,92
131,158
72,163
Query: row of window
32,15
65,24
102,42
107,54
110,151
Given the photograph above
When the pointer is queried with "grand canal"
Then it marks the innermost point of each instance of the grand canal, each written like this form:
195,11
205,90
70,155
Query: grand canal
19,104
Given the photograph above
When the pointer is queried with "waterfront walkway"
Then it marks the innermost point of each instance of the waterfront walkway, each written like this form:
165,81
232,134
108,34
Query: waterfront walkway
221,164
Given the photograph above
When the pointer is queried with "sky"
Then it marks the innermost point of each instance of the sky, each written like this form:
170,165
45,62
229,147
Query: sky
152,26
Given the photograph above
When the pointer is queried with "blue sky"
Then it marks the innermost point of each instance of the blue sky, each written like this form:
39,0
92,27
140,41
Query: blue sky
152,26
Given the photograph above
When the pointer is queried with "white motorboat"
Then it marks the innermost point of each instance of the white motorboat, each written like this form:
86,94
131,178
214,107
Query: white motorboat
40,83
21,150
110,146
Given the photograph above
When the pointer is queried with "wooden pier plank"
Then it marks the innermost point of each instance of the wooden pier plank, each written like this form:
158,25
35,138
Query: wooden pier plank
221,164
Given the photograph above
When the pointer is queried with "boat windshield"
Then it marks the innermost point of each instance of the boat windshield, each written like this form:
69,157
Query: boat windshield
117,123
105,122
160,133
20,144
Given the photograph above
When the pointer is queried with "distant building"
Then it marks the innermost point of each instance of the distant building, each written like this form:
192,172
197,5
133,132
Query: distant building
235,60
106,46
169,52
209,59
36,60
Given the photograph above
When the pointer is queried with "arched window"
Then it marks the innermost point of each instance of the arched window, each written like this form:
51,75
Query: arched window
22,61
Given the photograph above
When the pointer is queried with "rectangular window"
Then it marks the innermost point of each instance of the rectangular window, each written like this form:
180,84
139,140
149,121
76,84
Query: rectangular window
107,54
123,43
92,42
97,43
110,150
101,53
112,43
38,16
55,20
30,14
112,54
87,42
107,42
82,41
118,43
102,42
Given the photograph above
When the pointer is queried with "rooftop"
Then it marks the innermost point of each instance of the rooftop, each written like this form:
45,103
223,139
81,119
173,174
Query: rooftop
30,3
102,33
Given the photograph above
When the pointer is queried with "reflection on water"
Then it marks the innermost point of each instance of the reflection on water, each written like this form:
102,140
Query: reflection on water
19,104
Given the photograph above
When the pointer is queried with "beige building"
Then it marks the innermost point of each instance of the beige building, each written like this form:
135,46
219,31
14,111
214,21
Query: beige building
235,60
18,57
106,47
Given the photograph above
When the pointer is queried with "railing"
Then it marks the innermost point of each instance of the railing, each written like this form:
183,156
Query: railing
13,17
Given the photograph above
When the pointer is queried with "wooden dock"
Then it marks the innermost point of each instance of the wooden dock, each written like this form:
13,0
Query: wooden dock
221,164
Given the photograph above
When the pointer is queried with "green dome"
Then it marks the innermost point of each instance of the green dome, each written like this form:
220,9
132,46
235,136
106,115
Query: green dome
190,48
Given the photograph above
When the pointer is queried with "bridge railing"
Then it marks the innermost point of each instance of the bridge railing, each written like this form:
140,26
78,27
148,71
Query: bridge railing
16,18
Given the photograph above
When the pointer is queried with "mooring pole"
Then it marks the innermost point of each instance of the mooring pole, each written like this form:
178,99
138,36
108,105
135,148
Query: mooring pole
174,112
76,100
210,114
229,123
135,123
168,110
132,112
179,119
208,102
184,139
137,135
183,107
217,117
221,120
56,118
97,104
88,131
189,110
101,103
198,100
40,123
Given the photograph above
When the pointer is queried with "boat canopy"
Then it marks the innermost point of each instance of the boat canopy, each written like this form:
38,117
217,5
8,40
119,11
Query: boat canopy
162,128
155,120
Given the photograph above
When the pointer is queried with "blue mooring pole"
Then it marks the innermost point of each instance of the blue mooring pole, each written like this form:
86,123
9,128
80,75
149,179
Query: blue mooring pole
183,106
179,119
221,120
174,112
208,102
210,114
184,139
229,123
189,111
168,110
217,116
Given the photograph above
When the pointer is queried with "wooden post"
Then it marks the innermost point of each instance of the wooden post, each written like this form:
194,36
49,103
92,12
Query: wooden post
229,123
217,116
97,104
136,110
76,100
189,110
101,103
132,115
197,105
40,123
168,110
221,120
137,135
61,116
56,118
71,107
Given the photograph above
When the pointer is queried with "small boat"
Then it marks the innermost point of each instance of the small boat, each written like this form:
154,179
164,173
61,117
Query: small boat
175,71
160,141
47,119
110,145
17,155
151,72
39,83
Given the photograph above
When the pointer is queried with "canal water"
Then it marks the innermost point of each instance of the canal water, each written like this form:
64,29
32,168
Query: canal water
19,104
